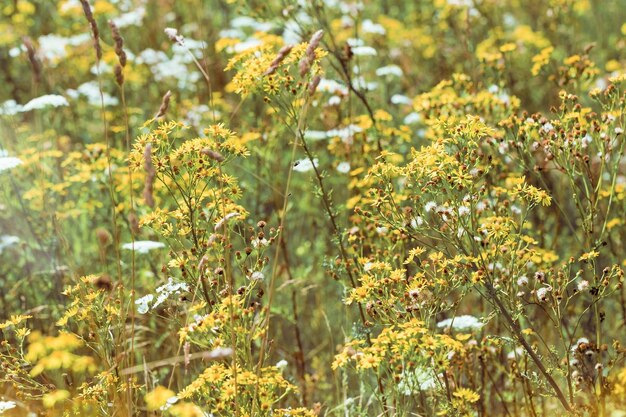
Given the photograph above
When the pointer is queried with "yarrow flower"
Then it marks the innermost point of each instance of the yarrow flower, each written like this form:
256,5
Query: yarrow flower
10,108
164,292
364,51
465,322
343,167
389,70
7,240
49,100
143,246
143,303
9,162
370,27
304,165
401,99
6,405
418,380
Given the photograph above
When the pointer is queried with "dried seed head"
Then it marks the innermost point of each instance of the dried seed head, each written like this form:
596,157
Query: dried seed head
313,84
119,43
32,58
279,58
172,33
165,103
94,28
103,282
103,236
134,223
309,57
119,75
215,155
148,189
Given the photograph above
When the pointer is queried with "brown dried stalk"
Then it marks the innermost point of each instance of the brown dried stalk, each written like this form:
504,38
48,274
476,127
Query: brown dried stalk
148,188
165,103
94,28
32,58
309,56
284,51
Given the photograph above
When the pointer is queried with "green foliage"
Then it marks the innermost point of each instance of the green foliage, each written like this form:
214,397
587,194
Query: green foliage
316,208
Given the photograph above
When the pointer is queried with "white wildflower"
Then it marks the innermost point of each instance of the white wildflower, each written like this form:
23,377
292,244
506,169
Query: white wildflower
315,134
9,162
512,355
431,205
418,380
305,165
332,86
168,289
344,133
382,230
257,276
6,405
582,285
169,402
364,51
354,43
542,293
547,127
143,246
172,33
401,99
343,167
8,240
464,211
132,18
53,47
412,118
282,364
362,84
465,322
91,91
142,303
370,27
582,340
249,43
49,100
334,101
389,70
416,222
258,243
522,281
10,108
246,21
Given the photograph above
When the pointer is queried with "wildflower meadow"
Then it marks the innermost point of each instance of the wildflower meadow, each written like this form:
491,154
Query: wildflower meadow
300,208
